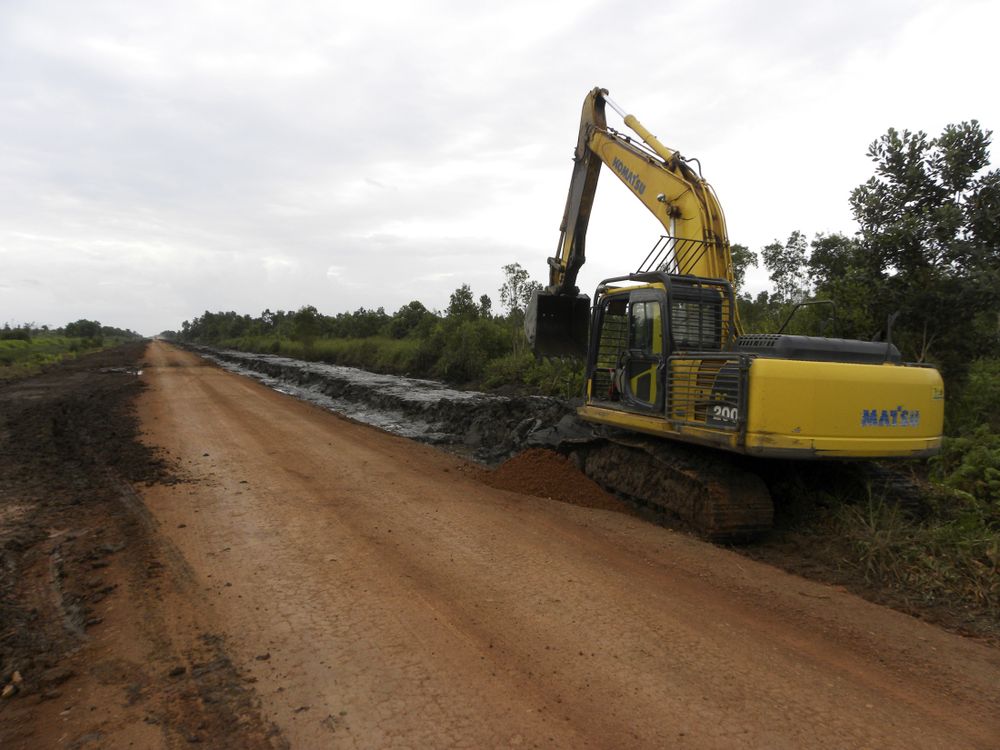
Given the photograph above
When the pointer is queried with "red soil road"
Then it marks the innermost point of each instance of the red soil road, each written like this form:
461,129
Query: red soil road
383,597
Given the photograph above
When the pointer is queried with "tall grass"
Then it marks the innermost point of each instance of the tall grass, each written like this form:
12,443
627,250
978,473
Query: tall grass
19,358
949,553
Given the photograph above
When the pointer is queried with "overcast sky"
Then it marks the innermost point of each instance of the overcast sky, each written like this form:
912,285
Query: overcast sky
161,159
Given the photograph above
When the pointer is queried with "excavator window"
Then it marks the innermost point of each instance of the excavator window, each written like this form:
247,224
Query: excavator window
630,347
696,321
642,369
646,333
612,343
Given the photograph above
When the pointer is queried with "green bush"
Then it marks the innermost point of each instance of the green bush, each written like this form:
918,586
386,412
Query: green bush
971,464
13,347
977,401
551,377
469,345
509,369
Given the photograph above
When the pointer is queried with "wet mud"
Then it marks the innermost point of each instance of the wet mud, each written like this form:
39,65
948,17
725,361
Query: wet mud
487,427
84,654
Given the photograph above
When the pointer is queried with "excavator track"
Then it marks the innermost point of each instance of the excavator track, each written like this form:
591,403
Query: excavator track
719,500
720,496
709,491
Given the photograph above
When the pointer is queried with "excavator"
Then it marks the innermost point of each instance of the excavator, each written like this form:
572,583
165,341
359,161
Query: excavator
666,356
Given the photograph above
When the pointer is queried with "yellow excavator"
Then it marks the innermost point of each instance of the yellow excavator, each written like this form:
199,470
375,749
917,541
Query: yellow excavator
665,354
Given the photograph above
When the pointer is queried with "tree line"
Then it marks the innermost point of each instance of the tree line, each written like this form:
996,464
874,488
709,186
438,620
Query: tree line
466,342
91,330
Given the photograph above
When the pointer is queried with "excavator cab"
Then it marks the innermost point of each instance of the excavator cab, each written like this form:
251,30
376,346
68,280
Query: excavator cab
627,360
663,341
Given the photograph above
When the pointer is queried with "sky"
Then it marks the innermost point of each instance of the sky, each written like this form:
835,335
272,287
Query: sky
162,159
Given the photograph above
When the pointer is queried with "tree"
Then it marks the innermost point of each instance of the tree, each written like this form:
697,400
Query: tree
462,305
360,324
267,320
838,270
21,332
485,306
743,258
930,242
786,266
516,290
305,325
408,319
83,329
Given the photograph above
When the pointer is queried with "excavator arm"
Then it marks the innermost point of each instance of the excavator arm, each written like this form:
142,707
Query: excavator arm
683,202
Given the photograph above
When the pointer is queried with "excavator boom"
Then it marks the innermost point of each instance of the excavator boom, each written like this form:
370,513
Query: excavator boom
683,202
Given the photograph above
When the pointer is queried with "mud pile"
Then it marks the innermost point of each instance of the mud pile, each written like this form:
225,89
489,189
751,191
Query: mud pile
545,473
485,426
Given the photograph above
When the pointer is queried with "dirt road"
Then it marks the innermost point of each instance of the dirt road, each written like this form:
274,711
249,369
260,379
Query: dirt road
381,596
311,582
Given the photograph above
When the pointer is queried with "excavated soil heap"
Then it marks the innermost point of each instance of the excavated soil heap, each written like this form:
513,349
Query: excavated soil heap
545,473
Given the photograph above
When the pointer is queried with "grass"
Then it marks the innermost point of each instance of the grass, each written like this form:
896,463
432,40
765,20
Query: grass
949,556
932,550
20,358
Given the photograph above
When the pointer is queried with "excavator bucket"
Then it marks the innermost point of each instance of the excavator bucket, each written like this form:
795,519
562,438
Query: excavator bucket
557,325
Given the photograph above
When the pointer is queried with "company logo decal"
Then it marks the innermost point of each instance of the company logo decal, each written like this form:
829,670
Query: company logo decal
898,417
629,176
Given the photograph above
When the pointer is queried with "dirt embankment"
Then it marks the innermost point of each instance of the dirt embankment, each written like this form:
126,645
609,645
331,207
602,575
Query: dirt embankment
85,656
485,426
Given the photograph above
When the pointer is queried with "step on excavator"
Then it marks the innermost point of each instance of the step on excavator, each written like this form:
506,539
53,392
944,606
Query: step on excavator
666,357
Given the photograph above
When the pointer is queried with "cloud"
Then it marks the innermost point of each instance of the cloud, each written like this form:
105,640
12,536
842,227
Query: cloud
160,160
275,265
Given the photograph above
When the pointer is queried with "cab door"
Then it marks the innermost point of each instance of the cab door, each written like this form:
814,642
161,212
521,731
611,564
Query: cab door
645,361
